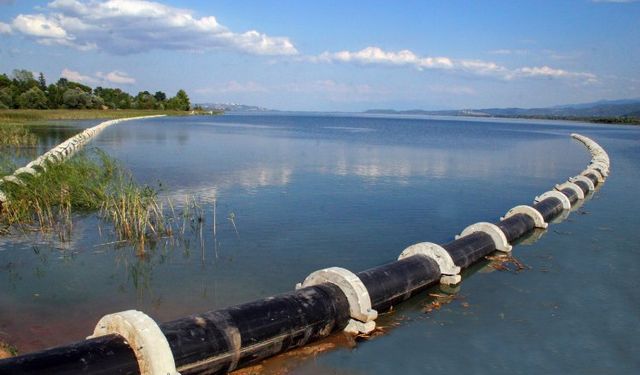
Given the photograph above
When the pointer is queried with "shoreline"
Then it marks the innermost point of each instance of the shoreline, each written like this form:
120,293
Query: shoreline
37,117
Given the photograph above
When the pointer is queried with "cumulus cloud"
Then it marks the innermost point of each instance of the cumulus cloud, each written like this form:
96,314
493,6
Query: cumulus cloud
5,28
378,56
114,77
72,75
545,71
132,26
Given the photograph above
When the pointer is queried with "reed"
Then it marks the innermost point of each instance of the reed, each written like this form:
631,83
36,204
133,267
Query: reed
91,182
16,135
45,202
135,213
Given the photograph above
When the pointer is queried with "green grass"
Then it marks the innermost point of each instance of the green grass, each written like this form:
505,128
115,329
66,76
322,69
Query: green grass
26,116
16,135
93,182
45,202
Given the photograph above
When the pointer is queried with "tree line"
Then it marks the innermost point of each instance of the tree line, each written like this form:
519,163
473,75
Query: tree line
22,90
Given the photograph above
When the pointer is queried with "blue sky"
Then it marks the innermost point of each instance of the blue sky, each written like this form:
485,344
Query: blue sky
335,55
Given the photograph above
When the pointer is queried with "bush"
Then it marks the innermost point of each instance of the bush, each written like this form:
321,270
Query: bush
33,98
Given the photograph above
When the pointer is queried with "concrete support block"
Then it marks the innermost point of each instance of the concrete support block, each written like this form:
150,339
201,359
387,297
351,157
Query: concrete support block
566,203
594,172
448,269
360,308
572,186
498,237
529,211
145,338
584,179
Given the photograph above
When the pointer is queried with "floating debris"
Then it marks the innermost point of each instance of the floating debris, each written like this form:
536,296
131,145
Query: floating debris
504,262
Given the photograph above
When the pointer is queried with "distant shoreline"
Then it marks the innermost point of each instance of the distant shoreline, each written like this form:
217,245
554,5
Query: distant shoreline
622,120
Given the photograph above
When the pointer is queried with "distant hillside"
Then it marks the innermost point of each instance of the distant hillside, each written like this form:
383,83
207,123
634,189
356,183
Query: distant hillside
605,109
233,107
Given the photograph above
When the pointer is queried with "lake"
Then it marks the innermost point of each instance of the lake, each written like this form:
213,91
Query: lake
295,193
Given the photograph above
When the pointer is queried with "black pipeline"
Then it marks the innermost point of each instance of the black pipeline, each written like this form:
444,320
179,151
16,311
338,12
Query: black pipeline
328,300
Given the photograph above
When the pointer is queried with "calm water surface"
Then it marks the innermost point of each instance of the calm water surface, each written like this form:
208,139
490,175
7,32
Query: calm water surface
312,191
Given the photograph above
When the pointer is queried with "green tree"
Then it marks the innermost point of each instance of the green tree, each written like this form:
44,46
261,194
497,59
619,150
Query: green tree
54,96
33,98
63,83
144,100
160,96
4,81
23,80
113,98
42,82
75,98
179,102
6,99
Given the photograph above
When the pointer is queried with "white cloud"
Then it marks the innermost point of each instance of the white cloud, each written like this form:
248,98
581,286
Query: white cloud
39,25
548,72
132,26
5,28
377,56
116,77
72,75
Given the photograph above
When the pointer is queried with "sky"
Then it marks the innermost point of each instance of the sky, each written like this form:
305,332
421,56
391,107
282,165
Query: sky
335,55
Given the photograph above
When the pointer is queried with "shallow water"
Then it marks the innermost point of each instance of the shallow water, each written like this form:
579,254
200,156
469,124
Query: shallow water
308,191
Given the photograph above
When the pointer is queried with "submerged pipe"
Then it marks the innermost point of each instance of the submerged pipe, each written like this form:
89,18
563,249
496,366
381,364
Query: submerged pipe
328,300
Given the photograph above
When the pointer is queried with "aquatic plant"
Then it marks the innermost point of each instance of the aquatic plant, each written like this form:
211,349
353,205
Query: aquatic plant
16,135
135,212
45,202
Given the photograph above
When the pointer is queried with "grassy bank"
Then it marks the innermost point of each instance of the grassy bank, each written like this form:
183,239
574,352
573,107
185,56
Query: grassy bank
33,116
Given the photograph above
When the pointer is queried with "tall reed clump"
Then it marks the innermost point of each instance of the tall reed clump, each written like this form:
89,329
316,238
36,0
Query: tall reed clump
89,182
16,135
45,202
134,211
